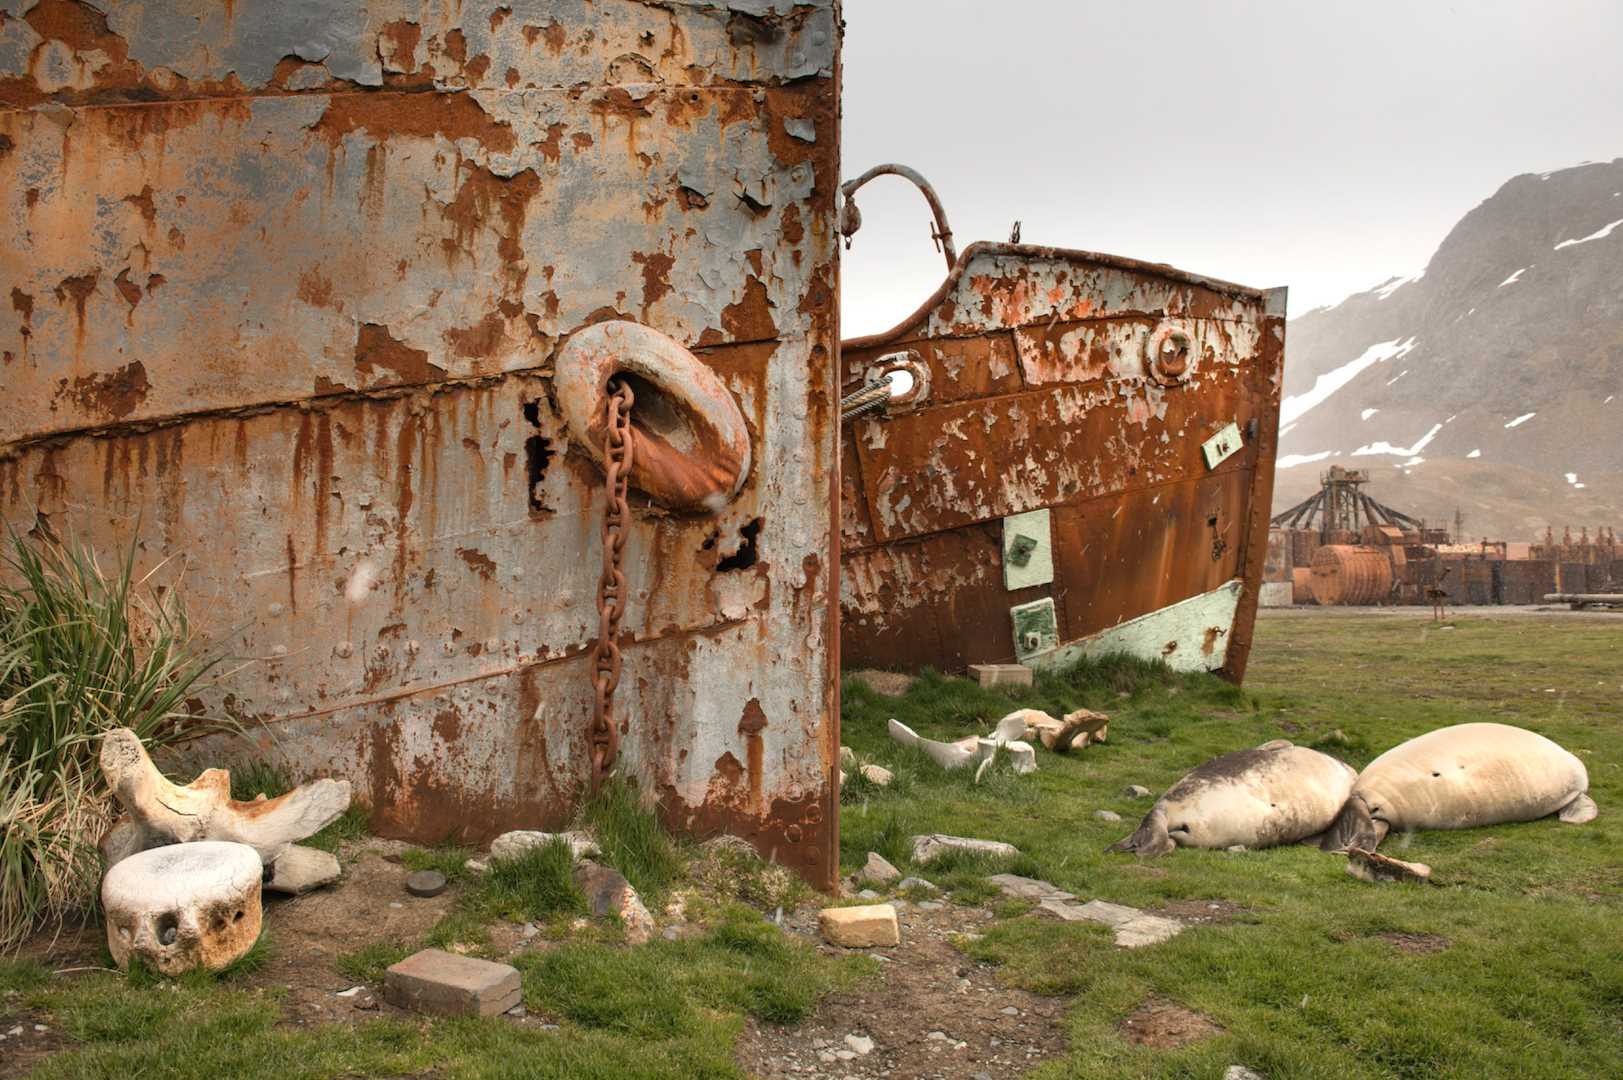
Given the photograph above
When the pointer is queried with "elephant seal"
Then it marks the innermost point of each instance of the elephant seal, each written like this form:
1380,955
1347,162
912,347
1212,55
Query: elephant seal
1277,793
1459,778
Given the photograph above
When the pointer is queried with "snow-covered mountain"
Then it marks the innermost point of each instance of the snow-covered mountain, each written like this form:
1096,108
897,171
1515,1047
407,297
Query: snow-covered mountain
1504,357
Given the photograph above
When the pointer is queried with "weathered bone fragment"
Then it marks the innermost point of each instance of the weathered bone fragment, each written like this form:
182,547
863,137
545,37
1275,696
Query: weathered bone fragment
954,755
1077,730
931,846
1374,867
162,812
184,906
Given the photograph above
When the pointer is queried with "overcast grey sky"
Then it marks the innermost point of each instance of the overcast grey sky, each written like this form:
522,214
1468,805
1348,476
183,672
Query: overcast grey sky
1319,144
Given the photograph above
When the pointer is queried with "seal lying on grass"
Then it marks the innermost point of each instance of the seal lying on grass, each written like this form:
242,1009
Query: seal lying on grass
1459,778
1275,794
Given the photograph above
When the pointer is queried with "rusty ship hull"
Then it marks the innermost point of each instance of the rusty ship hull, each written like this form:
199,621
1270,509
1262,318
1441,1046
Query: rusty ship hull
1083,465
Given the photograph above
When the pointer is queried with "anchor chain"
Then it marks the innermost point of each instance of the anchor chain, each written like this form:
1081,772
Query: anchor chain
618,454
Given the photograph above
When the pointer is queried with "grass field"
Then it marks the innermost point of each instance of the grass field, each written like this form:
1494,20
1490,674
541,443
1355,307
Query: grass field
1530,983
1520,973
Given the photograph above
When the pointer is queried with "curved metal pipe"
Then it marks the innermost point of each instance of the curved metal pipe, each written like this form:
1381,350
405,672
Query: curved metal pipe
851,218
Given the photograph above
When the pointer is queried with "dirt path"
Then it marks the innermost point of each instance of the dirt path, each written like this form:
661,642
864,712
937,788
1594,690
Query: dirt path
933,1013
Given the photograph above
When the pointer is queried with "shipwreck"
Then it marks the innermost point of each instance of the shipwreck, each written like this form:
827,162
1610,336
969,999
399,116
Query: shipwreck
474,367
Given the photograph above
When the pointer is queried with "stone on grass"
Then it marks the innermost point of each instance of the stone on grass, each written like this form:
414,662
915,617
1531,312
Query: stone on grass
445,984
1133,928
1024,888
932,846
1240,1072
1373,867
910,884
869,894
879,869
1107,815
510,845
1136,791
426,883
184,906
609,893
476,866
1001,674
868,926
877,775
300,869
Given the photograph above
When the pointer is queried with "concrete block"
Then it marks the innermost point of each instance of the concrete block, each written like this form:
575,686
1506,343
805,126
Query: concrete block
442,983
1001,674
860,927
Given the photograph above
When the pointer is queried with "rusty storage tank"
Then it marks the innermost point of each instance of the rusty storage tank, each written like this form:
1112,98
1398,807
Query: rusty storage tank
1353,574
318,301
1302,585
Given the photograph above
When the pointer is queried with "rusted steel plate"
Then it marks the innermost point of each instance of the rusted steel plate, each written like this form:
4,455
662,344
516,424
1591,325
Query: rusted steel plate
287,289
1046,392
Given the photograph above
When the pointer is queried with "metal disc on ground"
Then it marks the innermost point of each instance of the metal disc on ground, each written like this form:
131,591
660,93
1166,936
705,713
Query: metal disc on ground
425,883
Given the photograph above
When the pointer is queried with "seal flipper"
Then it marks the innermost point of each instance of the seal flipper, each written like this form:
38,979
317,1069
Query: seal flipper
1353,828
1581,809
1150,840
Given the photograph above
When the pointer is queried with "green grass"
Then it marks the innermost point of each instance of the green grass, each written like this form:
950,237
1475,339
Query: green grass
631,839
666,1011
1531,983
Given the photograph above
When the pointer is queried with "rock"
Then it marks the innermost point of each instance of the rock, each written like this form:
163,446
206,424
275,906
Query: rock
845,1055
162,813
909,884
859,1044
510,845
1236,848
1373,867
1001,674
1147,930
1025,888
879,869
300,869
609,893
184,906
877,775
930,905
932,846
1136,791
1106,815
860,927
848,758
884,683
1133,929
476,866
426,883
444,984
1010,1010
1240,1072
868,894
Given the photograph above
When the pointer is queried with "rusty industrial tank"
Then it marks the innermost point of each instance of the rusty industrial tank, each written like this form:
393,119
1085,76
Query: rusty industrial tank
1351,574
317,304
1302,585
1077,459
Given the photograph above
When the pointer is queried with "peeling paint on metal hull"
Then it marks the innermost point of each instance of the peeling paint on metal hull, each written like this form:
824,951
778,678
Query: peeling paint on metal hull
286,286
1043,394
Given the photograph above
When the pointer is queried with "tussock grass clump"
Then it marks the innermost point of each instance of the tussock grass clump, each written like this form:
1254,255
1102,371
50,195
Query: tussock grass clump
631,838
82,650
